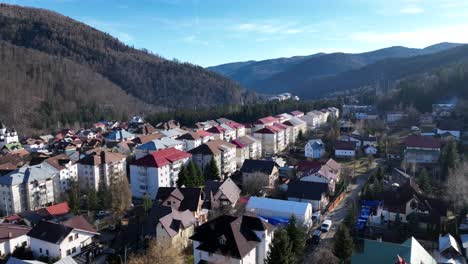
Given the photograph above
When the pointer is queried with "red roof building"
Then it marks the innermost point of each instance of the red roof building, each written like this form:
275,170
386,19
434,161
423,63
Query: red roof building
267,120
162,158
422,142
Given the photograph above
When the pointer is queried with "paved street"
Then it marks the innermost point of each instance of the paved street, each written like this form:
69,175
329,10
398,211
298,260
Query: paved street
339,213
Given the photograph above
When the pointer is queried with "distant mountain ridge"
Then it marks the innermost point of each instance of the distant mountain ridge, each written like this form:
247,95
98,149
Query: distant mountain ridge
286,74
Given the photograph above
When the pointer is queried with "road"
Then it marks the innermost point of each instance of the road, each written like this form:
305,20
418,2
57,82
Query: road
338,214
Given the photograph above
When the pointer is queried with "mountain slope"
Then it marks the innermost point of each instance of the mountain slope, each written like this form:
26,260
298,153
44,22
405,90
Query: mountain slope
38,90
152,79
390,70
302,69
250,72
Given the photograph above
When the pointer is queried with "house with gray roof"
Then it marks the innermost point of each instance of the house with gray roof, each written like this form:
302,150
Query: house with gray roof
29,188
158,144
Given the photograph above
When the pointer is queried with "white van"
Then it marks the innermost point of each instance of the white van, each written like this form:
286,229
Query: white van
326,225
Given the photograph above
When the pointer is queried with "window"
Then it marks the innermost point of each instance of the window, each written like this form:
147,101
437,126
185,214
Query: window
70,238
40,250
24,244
76,236
73,249
47,252
68,252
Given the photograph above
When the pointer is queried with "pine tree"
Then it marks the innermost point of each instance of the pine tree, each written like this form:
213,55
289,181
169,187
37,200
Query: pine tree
281,251
449,157
343,244
195,175
92,200
74,197
351,217
183,180
103,195
297,236
212,171
424,182
147,203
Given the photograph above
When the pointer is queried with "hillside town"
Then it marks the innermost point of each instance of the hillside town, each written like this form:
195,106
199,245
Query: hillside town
347,184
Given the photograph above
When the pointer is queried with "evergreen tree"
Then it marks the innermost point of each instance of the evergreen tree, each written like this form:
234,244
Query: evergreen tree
343,244
351,217
281,251
74,198
212,171
147,202
424,182
183,179
297,237
104,197
195,175
92,200
449,157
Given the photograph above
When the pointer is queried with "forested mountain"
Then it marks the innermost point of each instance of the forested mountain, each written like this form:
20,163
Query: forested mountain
389,70
96,55
267,77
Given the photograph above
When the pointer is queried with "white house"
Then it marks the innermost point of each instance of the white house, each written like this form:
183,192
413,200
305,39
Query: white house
298,125
315,149
12,236
237,240
98,167
159,169
55,240
345,149
272,139
29,188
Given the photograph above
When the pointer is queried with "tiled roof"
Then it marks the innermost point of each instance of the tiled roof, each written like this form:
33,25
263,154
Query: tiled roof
189,197
345,145
58,161
212,147
266,120
204,133
230,190
244,141
297,113
234,125
50,232
100,157
190,136
264,166
422,142
56,210
171,220
216,130
11,229
80,223
307,190
147,138
161,158
238,234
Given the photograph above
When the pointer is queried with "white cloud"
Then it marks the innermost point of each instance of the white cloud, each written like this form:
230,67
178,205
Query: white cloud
416,38
411,10
272,28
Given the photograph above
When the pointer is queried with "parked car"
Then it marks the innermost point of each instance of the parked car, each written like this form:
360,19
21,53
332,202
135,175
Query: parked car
103,213
316,217
316,236
326,225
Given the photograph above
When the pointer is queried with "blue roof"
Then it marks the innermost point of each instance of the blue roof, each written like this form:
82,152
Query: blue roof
118,135
158,144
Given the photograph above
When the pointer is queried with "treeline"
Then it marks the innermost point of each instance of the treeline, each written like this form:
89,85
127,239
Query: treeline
445,84
241,113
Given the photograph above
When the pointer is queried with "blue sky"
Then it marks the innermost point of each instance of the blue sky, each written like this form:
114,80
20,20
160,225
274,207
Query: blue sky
211,32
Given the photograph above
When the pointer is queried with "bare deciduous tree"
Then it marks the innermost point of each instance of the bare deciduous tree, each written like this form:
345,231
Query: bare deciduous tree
457,187
158,253
322,256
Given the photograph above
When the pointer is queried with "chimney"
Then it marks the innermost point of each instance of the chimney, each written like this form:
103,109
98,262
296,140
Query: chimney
10,234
